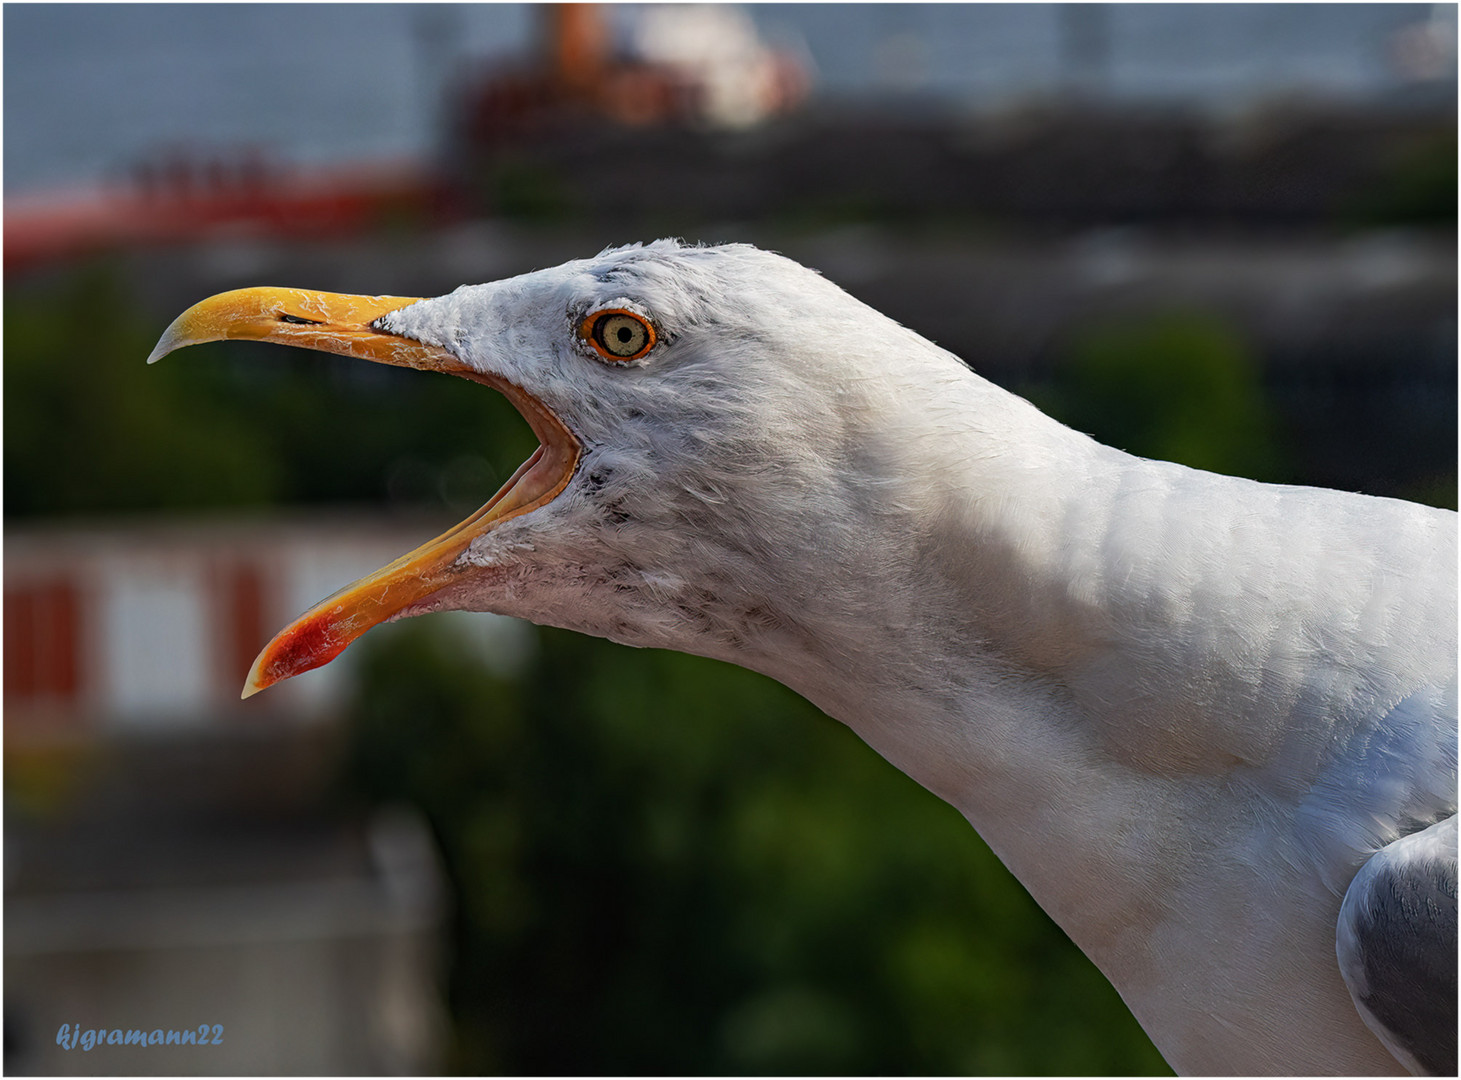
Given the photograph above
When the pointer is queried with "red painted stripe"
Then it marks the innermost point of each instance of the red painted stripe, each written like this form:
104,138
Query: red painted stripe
59,638
19,643
43,641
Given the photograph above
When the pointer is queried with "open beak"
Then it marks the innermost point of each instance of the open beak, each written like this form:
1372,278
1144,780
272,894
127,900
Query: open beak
338,323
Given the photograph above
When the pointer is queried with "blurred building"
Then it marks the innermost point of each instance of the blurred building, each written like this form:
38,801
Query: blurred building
153,626
174,857
698,66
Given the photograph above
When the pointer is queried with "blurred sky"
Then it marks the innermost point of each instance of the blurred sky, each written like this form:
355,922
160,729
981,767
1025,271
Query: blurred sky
89,88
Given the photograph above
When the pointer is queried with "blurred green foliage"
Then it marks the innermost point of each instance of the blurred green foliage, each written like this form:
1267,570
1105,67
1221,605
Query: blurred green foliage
669,865
1179,386
238,424
1417,189
93,436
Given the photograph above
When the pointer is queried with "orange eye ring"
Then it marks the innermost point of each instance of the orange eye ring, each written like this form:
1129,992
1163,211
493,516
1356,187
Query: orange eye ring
618,335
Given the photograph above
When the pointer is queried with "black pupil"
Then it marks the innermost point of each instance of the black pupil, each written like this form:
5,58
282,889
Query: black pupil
624,335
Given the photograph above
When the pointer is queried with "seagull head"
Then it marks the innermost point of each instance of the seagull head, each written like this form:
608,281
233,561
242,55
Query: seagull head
715,423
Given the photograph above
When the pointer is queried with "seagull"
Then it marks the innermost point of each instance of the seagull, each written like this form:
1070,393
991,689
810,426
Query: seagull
1210,724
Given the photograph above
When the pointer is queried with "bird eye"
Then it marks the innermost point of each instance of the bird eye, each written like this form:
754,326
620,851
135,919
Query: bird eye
618,334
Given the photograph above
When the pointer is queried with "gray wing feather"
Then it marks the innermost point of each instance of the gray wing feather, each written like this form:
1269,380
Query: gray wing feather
1397,947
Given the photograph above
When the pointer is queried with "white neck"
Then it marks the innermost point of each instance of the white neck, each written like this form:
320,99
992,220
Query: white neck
1061,658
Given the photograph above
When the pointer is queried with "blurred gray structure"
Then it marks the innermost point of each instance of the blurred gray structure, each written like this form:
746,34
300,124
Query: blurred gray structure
173,860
